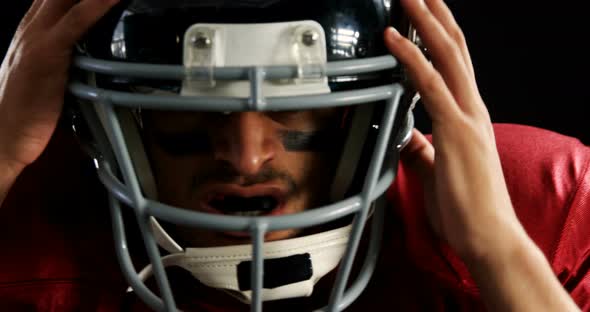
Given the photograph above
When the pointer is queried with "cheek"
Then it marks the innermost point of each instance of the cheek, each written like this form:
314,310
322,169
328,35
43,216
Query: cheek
173,177
314,171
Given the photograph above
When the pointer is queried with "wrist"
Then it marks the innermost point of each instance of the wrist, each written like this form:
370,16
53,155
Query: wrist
10,166
512,254
507,244
8,174
9,171
514,275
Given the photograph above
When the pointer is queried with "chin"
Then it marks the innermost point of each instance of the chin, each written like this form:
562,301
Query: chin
281,235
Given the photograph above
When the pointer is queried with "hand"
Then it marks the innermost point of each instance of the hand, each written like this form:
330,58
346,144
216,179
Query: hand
466,198
34,74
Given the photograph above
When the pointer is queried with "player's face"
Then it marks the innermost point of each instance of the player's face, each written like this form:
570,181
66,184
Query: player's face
248,163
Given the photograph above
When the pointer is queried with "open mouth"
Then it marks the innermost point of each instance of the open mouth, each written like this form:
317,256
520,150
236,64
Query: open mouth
245,206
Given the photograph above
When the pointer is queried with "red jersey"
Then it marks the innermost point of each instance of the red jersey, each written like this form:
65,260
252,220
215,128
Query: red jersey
57,249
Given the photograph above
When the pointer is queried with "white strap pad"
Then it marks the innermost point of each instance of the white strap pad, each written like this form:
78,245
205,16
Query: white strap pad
300,44
217,267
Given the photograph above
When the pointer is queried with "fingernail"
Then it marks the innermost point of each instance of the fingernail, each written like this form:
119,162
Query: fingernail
394,33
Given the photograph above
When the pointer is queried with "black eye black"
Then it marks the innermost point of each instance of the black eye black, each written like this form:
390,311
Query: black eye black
321,140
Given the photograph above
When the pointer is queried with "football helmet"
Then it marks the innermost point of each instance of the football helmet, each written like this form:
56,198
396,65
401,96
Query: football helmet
236,56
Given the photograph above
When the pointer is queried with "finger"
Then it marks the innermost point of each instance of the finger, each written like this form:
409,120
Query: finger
444,15
444,52
418,156
24,23
33,10
80,18
438,100
52,11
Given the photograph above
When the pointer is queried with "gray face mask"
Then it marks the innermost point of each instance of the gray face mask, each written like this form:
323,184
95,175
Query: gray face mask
296,79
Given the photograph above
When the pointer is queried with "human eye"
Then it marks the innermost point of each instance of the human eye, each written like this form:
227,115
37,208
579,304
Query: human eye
183,143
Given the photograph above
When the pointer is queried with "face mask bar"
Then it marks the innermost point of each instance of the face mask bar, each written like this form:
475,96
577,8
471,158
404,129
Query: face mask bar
375,184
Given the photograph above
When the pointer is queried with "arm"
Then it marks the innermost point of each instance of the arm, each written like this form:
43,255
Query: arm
517,277
466,197
33,77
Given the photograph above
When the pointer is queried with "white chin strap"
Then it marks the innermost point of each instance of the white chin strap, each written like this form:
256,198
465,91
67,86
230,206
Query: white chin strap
217,267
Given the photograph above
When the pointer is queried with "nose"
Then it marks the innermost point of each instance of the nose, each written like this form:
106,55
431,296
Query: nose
247,142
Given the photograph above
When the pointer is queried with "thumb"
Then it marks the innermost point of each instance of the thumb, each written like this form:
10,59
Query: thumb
418,155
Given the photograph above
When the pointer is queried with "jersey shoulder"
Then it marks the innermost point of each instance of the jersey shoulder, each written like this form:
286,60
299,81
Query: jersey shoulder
57,248
548,181
549,184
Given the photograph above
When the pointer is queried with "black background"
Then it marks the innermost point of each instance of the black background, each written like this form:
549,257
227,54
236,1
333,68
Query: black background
531,59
